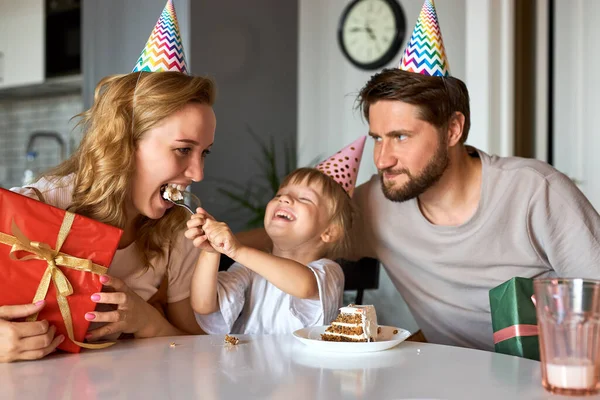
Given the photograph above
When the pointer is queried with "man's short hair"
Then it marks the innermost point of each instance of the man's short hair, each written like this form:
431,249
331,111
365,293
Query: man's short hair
438,98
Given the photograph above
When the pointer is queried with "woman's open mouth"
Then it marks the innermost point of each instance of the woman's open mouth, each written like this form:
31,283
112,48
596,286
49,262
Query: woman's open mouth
171,192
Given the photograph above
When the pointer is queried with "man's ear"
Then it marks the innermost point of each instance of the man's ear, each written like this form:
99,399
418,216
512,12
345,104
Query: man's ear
455,128
331,234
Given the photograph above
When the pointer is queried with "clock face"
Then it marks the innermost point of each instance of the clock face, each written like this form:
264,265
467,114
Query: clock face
371,32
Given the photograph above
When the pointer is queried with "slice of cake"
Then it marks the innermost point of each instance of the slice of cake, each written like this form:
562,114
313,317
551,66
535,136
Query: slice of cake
353,324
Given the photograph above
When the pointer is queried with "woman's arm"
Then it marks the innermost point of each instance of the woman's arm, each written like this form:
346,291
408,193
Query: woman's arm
204,283
25,340
182,316
156,325
133,314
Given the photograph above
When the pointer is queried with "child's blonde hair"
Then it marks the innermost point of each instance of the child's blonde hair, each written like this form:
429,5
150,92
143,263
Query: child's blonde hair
341,208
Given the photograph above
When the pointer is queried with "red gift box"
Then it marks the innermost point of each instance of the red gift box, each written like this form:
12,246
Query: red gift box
33,260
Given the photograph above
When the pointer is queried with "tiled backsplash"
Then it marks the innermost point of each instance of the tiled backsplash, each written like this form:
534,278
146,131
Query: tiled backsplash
19,118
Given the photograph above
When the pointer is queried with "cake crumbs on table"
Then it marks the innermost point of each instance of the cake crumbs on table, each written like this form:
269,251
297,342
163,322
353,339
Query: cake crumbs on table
232,340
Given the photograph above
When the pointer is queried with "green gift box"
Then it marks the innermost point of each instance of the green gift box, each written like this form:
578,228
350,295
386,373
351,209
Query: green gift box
514,320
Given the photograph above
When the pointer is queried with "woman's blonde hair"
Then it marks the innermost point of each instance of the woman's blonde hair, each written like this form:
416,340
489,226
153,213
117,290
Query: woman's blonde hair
341,206
125,108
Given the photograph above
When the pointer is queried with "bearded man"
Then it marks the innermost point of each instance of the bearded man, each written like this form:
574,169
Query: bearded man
450,222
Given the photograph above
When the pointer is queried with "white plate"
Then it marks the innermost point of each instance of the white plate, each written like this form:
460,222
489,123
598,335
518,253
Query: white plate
308,357
386,340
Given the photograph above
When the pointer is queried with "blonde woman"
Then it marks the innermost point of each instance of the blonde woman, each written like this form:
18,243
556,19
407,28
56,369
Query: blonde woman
144,130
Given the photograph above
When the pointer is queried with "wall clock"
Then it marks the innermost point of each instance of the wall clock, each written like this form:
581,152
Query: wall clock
370,32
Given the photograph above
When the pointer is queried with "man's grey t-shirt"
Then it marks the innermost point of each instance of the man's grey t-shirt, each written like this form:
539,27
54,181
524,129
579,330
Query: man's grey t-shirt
531,221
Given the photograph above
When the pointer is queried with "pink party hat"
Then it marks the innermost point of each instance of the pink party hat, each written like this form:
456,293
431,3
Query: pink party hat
164,49
343,166
425,53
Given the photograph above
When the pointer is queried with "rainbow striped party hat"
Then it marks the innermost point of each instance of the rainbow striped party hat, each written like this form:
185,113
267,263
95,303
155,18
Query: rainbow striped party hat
425,53
164,49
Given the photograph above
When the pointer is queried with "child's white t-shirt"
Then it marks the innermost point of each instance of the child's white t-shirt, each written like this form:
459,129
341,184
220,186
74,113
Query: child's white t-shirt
249,304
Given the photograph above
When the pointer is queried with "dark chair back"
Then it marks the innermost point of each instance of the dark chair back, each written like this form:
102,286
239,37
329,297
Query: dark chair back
360,275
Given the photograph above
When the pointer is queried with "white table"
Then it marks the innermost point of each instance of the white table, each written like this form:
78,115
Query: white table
271,367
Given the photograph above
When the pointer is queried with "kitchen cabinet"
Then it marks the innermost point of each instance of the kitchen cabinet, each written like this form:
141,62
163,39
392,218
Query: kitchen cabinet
22,43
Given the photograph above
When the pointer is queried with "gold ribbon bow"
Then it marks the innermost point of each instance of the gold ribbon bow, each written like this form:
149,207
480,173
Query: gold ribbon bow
54,258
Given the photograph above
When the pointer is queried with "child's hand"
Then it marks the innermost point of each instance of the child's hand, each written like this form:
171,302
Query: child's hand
195,230
221,238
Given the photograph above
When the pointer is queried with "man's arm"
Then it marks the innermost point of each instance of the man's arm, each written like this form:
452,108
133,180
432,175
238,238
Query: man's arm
359,248
564,228
256,239
360,232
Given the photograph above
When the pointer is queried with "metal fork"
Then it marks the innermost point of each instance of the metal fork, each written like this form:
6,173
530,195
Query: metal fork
189,201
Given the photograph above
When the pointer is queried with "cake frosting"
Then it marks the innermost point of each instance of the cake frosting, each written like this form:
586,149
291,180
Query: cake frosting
353,324
172,193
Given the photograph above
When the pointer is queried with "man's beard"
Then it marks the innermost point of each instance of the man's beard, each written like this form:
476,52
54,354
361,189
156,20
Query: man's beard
417,185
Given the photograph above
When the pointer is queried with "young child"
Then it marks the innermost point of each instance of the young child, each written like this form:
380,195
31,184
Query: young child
298,284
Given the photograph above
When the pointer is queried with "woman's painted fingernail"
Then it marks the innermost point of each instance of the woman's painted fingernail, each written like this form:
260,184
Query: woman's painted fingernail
88,336
90,316
61,339
104,279
95,297
39,303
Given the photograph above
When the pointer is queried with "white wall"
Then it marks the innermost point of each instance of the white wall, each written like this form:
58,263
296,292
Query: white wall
576,82
489,73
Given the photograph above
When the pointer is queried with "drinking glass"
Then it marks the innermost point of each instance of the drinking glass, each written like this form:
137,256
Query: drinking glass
568,314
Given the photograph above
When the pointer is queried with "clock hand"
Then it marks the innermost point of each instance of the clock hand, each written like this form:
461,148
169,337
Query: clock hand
370,32
356,29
